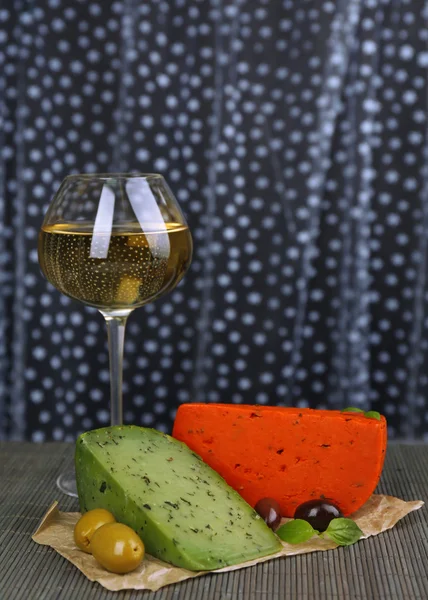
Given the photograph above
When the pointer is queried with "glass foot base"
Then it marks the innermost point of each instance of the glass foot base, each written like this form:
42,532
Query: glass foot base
66,482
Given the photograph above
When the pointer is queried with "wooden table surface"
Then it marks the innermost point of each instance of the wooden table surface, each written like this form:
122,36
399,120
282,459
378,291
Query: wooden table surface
393,565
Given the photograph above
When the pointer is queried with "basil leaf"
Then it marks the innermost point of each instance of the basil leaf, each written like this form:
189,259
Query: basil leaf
296,531
372,414
343,531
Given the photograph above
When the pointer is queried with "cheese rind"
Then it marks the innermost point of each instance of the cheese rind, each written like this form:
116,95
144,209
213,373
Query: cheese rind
184,511
291,455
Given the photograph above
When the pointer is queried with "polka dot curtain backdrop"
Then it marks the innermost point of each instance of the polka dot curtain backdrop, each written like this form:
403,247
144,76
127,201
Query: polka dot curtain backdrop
294,137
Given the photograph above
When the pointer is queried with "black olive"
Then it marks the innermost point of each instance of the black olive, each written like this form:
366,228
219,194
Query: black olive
318,513
270,512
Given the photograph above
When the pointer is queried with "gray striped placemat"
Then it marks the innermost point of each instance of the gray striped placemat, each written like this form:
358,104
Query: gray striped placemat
391,566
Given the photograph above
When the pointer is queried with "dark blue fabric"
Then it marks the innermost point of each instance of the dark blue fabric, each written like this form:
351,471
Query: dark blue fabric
294,137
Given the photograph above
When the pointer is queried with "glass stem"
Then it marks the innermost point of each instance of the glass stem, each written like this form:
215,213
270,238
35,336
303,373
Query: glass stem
116,337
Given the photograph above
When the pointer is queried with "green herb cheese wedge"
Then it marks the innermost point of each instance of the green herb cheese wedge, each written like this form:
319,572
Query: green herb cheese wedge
184,512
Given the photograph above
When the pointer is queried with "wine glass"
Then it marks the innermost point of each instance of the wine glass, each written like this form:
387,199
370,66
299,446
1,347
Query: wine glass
114,241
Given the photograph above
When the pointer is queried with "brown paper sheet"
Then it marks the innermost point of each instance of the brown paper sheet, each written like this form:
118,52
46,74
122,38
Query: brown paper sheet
56,530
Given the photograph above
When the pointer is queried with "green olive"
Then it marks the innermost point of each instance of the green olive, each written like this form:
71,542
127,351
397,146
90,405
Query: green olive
117,548
88,524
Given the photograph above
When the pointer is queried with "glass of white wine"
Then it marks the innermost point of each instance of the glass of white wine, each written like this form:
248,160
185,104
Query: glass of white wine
115,242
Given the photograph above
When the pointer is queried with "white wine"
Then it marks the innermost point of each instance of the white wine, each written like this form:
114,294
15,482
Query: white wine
122,269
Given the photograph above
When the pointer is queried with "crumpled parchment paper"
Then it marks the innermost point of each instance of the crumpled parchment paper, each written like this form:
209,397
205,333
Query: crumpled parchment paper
56,530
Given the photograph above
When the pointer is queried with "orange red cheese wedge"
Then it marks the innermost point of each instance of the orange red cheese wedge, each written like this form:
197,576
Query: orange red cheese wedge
289,454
